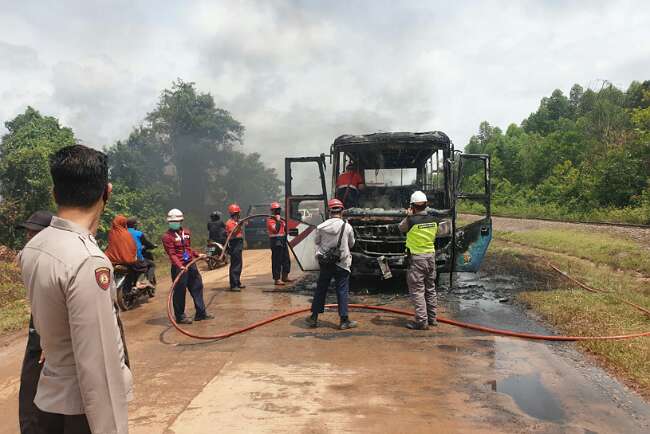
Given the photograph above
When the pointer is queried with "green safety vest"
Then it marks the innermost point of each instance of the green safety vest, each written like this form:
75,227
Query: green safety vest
421,236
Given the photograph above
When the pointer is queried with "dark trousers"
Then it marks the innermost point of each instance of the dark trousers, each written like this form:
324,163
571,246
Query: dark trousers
236,250
28,414
341,284
349,196
52,423
280,261
191,281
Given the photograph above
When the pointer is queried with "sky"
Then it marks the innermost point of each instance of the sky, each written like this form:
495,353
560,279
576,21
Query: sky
298,74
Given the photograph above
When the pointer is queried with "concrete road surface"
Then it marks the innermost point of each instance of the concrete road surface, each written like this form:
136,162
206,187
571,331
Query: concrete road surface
379,378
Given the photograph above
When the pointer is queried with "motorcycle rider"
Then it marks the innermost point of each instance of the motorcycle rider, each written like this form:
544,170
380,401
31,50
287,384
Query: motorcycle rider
142,244
217,228
122,250
178,245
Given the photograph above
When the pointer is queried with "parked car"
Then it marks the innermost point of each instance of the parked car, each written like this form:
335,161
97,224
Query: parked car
255,233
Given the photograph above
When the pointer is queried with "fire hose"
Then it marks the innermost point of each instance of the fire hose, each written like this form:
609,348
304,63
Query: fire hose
470,326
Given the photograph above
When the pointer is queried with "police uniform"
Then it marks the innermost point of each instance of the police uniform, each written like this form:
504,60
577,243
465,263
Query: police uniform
421,230
85,383
280,260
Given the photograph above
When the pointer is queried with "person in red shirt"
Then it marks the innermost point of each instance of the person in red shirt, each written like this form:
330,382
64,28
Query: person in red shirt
348,186
235,247
178,246
280,261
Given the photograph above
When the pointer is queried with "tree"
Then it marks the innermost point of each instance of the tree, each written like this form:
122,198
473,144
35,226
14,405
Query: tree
194,136
25,182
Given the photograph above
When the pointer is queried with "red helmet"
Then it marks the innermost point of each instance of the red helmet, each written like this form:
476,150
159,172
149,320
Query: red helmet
335,204
234,208
275,205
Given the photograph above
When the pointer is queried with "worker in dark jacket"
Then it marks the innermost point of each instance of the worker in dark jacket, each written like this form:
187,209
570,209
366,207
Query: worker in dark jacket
235,247
178,245
280,260
217,229
28,413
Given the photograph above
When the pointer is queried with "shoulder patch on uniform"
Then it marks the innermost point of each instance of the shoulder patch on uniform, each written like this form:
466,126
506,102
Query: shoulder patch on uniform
103,277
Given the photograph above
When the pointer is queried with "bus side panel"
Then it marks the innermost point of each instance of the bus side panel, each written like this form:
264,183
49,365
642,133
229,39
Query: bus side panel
472,242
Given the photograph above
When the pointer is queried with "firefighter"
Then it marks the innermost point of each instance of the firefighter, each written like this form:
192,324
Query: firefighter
280,261
420,229
349,184
177,242
235,247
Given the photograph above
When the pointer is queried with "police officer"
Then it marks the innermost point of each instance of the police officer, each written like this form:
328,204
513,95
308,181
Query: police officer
85,384
235,247
280,260
420,229
28,413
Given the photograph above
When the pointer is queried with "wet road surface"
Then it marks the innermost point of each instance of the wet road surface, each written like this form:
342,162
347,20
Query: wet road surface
379,377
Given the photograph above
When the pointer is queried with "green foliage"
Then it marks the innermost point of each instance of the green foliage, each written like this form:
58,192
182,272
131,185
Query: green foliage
183,157
585,155
25,182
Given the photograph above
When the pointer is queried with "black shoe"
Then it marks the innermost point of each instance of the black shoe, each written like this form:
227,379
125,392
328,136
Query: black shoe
311,322
416,326
184,320
203,317
348,325
242,286
433,322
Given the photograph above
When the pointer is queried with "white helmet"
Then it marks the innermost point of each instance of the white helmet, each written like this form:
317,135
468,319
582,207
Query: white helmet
175,215
418,197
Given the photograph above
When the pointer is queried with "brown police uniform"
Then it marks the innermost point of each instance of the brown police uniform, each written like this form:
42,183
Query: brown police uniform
70,285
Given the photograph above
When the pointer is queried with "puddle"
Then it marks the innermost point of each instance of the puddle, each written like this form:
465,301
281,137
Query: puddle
531,396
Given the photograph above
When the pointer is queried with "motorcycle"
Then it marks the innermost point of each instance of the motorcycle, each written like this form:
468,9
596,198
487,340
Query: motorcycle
213,250
131,284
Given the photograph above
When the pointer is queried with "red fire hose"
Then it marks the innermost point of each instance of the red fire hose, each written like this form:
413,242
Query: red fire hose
480,328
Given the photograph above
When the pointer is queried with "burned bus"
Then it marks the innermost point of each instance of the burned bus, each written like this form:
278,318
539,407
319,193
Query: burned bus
393,166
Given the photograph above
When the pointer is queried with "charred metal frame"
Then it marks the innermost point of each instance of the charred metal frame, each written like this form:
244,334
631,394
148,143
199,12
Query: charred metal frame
461,249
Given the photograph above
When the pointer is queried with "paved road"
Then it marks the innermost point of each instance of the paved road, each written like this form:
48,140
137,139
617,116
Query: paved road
380,377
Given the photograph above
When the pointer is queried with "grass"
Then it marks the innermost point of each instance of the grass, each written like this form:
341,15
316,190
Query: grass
575,311
597,247
630,214
14,310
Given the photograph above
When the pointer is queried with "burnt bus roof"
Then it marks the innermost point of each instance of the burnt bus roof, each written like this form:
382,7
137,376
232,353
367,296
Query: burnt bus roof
392,150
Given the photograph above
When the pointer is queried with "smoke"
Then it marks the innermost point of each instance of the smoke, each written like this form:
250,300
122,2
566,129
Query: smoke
299,73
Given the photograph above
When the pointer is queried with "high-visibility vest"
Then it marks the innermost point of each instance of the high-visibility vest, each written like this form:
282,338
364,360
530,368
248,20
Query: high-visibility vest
271,225
421,235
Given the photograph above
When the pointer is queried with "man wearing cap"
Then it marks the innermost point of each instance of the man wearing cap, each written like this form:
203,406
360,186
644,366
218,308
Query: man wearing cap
280,260
334,235
420,229
178,246
28,412
86,383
